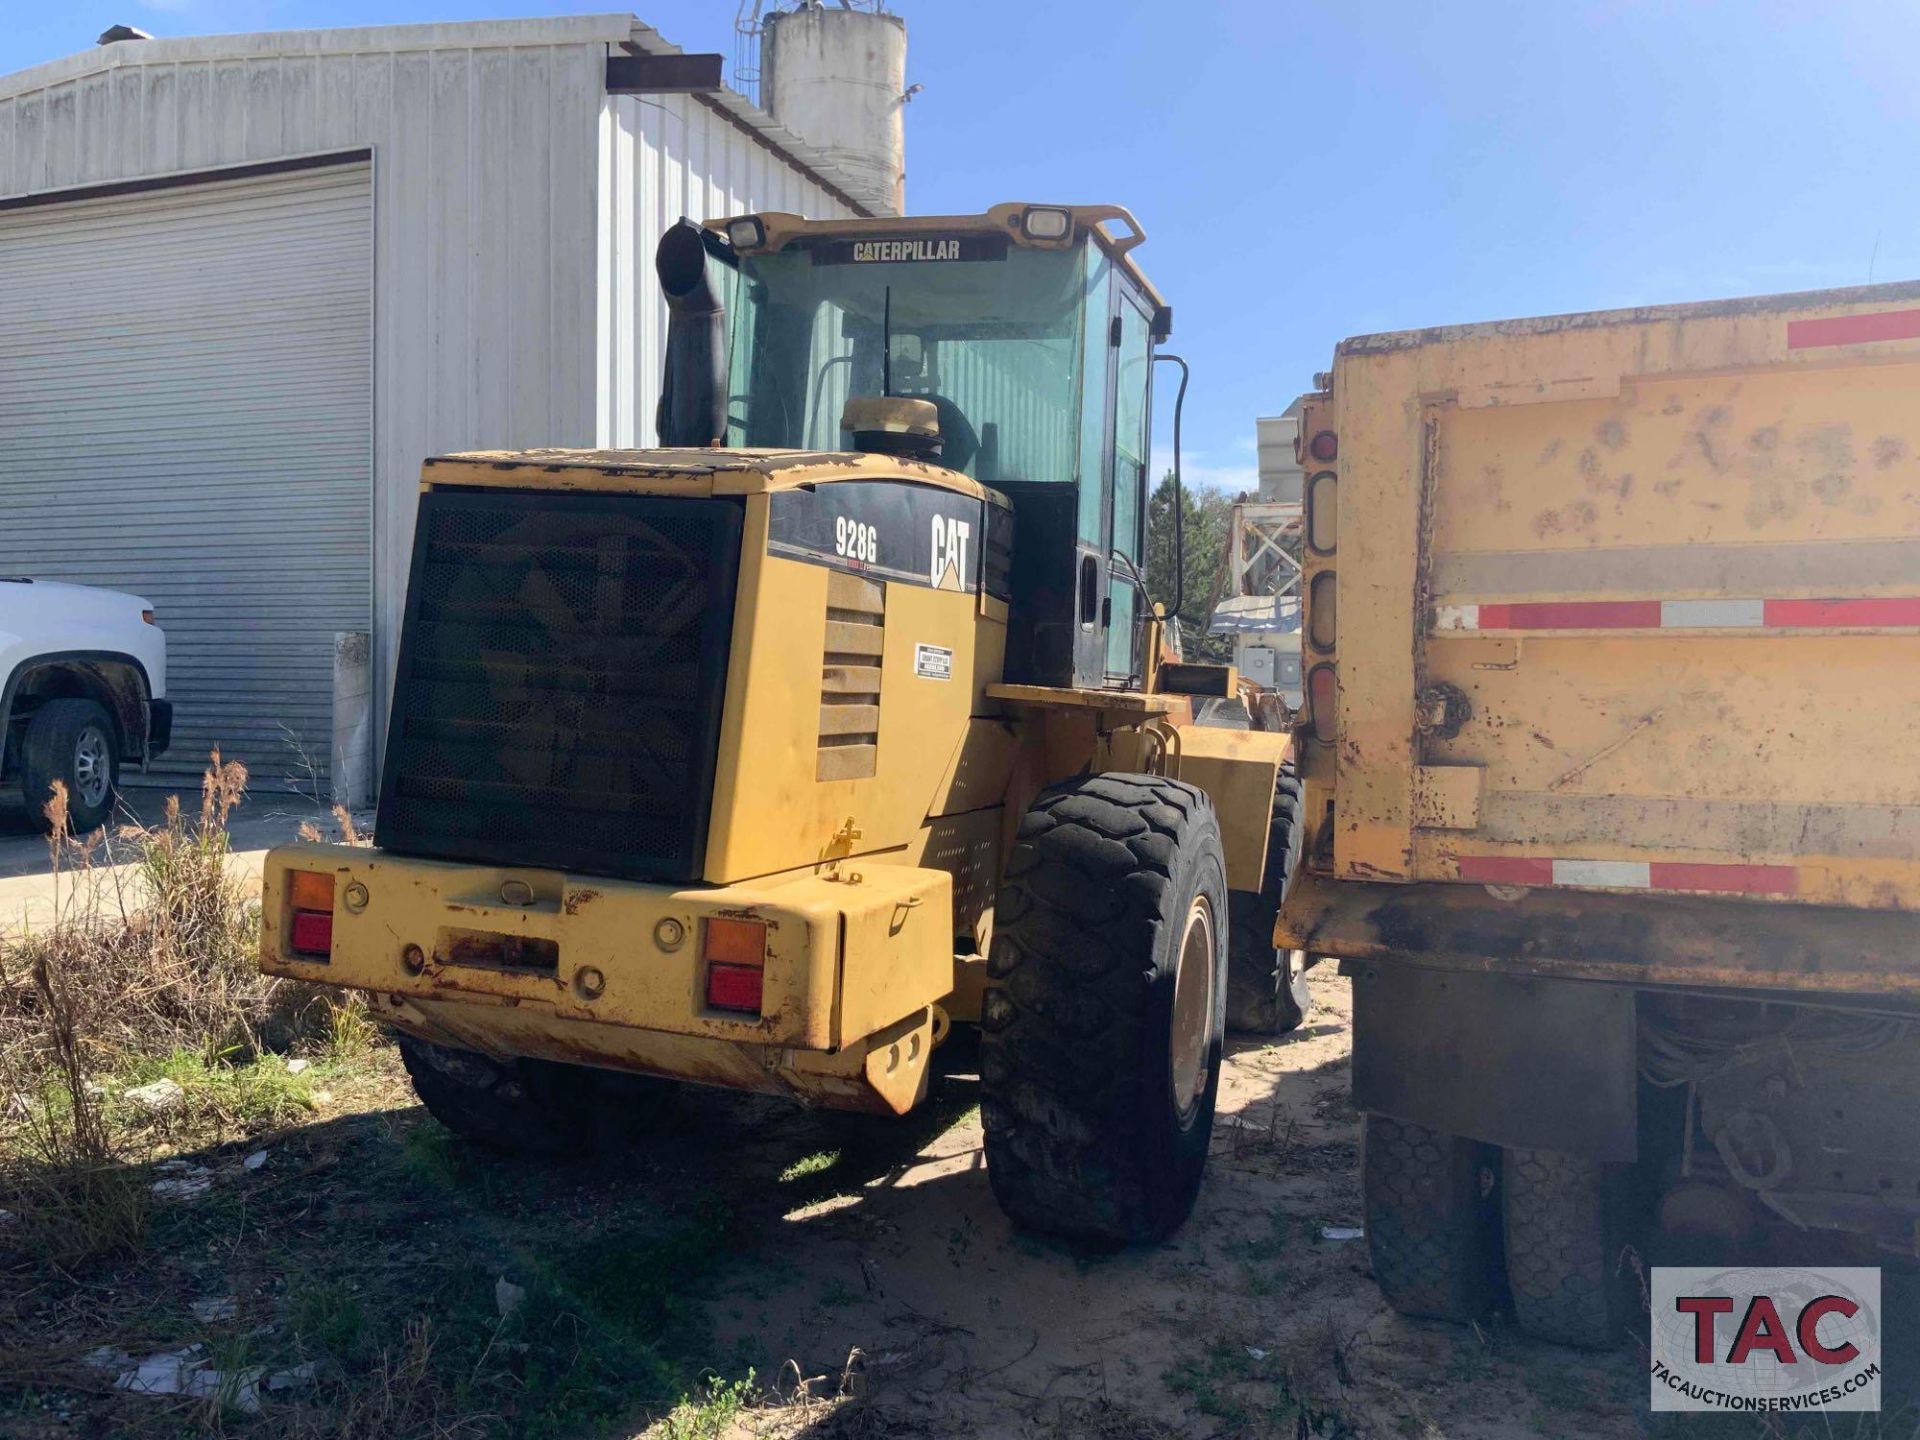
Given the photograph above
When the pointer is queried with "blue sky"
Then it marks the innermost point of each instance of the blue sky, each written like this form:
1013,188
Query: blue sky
1309,171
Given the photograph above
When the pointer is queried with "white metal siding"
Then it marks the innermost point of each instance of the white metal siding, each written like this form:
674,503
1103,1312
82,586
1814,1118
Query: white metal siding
185,414
662,157
510,288
485,213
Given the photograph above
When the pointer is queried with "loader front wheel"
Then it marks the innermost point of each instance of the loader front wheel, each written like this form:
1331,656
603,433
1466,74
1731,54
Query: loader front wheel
1103,1020
525,1107
1267,990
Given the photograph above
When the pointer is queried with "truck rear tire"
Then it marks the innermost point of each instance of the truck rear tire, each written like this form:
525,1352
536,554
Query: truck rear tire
1567,1237
1433,1219
524,1107
1103,1020
71,741
1267,990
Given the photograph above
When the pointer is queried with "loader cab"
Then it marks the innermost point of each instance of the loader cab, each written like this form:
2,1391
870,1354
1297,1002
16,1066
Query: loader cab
1031,333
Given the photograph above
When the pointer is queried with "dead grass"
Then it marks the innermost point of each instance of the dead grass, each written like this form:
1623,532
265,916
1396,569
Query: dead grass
144,972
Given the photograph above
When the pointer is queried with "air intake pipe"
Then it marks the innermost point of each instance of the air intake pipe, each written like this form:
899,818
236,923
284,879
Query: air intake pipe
693,385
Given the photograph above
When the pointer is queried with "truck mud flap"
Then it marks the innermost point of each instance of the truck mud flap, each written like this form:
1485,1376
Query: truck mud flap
1515,1061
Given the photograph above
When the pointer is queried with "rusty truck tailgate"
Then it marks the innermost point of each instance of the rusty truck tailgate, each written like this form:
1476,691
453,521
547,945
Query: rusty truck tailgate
1660,570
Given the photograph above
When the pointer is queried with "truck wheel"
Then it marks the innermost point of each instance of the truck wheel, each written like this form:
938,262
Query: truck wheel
1267,990
1433,1218
71,741
527,1107
1566,1235
1102,1024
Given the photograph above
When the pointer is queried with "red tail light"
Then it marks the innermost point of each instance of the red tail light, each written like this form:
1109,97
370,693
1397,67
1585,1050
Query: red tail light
310,897
736,956
313,933
735,987
1323,701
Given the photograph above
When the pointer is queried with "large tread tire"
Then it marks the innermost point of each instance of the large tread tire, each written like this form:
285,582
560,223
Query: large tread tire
1432,1218
1567,1237
1267,990
49,751
523,1107
1084,1139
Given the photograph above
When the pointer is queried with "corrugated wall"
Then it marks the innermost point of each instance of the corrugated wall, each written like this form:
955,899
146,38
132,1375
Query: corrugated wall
485,169
661,157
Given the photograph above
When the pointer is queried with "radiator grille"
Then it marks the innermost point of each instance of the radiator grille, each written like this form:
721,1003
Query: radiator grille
560,681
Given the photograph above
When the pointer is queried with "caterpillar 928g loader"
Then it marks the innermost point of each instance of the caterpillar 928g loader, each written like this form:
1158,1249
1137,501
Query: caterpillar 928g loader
764,758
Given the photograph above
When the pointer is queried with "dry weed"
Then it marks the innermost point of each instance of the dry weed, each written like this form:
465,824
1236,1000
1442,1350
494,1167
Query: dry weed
149,953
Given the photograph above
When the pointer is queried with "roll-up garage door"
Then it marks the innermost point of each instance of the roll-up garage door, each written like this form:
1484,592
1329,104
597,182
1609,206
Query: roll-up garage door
186,413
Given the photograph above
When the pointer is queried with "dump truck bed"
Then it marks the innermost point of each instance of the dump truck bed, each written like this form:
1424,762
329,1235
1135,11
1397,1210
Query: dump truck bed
1627,601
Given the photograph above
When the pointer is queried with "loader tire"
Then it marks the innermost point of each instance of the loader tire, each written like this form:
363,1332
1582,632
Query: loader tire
1567,1240
1267,990
1103,1019
1432,1218
73,742
524,1107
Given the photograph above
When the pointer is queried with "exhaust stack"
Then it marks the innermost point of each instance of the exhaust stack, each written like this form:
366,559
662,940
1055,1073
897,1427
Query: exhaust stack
693,383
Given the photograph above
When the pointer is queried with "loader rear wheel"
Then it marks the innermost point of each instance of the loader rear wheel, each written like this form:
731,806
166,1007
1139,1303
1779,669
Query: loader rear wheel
1433,1219
1267,990
1103,1020
526,1107
1567,1240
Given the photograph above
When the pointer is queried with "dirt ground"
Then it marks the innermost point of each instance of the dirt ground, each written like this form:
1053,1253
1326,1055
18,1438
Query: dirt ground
1259,1318
860,1270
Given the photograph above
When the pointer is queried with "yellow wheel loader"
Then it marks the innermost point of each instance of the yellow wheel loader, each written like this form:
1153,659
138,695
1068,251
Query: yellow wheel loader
764,758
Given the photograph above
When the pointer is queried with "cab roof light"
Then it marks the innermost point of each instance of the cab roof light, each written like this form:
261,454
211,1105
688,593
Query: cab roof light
1046,222
749,232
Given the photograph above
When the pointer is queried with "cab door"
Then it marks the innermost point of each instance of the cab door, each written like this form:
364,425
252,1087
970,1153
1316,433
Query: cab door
1130,359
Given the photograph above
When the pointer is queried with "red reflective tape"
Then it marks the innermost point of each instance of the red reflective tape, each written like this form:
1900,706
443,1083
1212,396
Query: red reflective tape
1891,610
1726,879
1506,870
1854,329
1573,615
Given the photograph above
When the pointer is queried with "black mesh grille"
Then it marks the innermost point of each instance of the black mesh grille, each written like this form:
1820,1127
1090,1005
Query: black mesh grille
559,689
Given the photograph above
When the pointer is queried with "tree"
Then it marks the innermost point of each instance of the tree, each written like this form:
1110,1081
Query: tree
1204,516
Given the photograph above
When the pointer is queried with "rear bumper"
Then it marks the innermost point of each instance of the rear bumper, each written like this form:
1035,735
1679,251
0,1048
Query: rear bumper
1695,941
159,727
852,968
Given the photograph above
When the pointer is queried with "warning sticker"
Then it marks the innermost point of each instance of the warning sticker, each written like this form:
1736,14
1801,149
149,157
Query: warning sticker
933,662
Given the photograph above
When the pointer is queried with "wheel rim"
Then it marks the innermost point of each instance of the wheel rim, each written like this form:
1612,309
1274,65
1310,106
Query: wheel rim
92,767
1193,1008
1295,971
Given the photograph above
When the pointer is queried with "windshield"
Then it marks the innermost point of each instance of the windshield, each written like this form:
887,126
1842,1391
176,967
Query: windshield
988,331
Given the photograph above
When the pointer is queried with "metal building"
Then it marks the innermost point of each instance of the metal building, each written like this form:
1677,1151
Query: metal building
248,282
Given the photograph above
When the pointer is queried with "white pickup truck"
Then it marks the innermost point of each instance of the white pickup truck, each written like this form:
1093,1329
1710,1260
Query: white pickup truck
83,683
